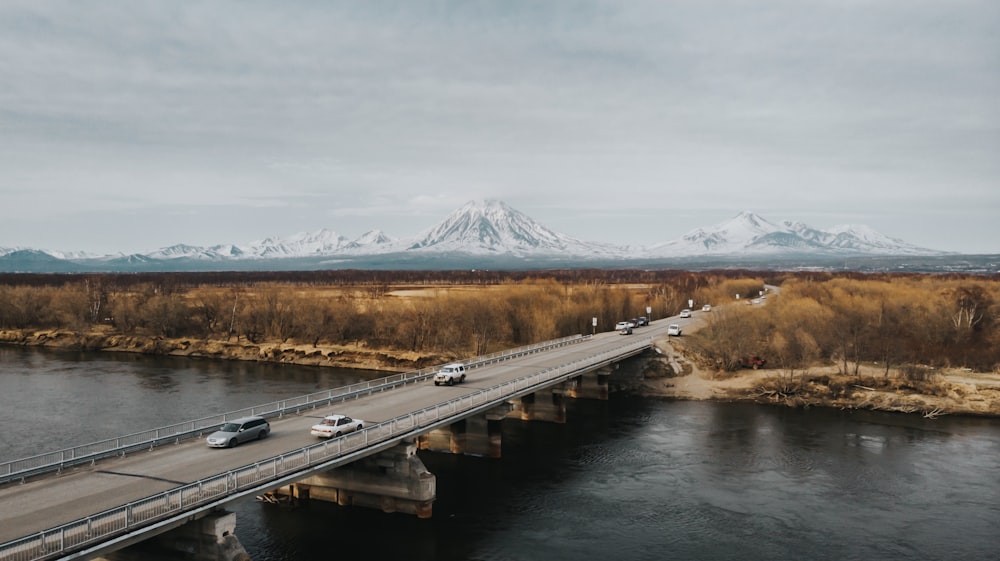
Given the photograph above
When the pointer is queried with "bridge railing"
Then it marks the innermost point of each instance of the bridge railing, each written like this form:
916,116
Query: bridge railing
144,440
105,525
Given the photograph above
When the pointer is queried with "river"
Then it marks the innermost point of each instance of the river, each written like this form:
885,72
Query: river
631,478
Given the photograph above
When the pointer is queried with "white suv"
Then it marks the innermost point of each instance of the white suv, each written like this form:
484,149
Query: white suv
450,374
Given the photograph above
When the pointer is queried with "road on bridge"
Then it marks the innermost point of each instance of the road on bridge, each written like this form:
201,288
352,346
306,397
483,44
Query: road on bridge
51,500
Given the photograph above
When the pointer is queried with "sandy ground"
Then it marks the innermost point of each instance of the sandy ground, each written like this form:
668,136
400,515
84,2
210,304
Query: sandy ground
954,392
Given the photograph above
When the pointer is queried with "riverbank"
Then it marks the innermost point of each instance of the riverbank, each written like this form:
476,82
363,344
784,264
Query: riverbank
338,356
941,393
944,392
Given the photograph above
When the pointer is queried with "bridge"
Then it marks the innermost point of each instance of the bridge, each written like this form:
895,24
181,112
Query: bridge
95,499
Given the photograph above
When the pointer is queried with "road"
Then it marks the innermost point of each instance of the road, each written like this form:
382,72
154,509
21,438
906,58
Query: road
55,499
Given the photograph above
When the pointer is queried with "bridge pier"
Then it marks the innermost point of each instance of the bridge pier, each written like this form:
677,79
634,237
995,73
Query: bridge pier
592,384
480,435
394,480
211,538
548,405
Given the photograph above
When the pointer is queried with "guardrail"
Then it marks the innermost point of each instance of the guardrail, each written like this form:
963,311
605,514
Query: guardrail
134,515
145,440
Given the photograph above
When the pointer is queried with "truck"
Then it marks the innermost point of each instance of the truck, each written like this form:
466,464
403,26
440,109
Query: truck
450,374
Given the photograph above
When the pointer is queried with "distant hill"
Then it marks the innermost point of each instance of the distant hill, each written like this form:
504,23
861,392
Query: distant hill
491,234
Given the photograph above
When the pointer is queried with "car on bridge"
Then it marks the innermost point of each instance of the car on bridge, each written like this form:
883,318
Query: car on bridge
706,308
674,329
336,425
238,431
685,313
450,374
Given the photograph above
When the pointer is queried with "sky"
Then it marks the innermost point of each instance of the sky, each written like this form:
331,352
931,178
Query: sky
131,125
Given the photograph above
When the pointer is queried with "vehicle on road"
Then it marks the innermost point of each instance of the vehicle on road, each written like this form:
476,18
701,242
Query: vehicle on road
336,425
674,329
238,431
752,361
450,374
643,320
625,331
706,308
623,325
685,313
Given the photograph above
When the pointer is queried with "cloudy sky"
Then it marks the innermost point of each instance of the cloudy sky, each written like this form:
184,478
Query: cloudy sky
132,125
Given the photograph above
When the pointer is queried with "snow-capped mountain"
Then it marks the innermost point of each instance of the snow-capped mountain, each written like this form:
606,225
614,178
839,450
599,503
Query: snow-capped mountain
492,227
750,234
323,242
372,241
484,232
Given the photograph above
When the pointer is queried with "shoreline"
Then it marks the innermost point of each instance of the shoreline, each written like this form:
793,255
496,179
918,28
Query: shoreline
949,392
669,374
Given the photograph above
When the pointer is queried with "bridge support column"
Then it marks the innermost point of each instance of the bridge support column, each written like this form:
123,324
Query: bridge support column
591,385
548,405
394,481
211,538
479,435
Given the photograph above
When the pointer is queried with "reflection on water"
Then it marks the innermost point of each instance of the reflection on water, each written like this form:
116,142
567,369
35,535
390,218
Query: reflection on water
626,479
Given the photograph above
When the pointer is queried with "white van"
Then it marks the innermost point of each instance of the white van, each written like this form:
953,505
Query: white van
450,374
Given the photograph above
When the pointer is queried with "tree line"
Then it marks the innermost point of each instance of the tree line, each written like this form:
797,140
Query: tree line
437,313
848,318
891,321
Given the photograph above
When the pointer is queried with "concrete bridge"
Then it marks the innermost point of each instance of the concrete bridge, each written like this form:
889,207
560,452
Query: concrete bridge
96,499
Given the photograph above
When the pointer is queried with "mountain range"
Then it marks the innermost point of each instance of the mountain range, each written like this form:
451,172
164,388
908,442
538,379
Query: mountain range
486,233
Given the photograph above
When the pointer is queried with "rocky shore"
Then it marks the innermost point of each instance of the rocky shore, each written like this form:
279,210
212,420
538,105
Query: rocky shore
669,374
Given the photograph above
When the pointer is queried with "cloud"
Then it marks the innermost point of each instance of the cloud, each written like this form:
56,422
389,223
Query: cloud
575,108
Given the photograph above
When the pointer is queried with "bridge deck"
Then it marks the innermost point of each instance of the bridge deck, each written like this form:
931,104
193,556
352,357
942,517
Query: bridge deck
51,500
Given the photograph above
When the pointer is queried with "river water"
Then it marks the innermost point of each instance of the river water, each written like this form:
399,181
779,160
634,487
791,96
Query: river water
631,478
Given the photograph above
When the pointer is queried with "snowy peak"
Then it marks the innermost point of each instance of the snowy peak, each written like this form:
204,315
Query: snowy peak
748,233
490,226
322,242
743,228
864,238
490,229
730,236
372,240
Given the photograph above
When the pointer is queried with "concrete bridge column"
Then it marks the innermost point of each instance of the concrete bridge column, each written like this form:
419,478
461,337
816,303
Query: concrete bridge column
479,435
211,538
394,480
591,385
547,405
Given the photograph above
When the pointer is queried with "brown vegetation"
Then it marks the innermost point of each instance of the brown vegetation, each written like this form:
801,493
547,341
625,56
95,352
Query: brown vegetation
892,322
844,340
425,316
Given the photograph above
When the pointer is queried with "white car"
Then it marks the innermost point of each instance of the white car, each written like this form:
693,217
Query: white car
685,313
336,425
450,374
674,329
706,308
624,325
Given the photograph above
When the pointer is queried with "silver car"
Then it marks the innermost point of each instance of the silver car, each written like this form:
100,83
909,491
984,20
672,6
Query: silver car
239,430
